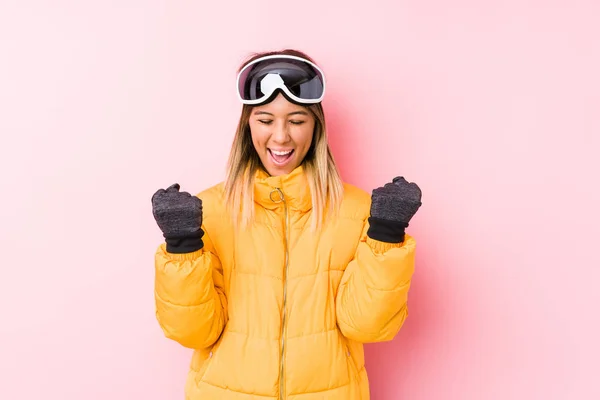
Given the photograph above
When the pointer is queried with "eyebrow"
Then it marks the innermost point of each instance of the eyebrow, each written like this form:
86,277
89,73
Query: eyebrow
292,113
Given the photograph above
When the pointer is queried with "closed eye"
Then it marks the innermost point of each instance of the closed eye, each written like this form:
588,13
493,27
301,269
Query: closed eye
297,122
265,121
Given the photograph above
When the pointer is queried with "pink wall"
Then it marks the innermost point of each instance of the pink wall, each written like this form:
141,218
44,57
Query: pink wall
492,107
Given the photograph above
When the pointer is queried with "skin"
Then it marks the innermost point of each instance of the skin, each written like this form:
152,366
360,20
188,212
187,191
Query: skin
281,126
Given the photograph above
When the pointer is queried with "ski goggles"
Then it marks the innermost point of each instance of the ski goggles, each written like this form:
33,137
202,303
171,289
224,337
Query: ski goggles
300,81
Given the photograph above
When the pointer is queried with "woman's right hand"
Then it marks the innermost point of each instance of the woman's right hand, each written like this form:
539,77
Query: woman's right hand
178,214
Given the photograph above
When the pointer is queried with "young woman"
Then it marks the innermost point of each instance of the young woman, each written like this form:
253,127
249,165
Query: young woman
277,276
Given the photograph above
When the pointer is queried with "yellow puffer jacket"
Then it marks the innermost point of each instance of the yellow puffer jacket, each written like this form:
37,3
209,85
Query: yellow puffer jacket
278,311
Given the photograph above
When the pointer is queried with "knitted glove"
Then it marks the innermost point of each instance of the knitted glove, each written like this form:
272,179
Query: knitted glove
392,208
179,217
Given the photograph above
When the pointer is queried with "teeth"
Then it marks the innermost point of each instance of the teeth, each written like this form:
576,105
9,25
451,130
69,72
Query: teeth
281,153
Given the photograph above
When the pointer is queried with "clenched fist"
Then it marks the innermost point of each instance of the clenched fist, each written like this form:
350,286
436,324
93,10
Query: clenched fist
179,217
392,208
396,201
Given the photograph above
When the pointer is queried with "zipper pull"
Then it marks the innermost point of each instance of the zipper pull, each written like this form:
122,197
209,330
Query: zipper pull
276,196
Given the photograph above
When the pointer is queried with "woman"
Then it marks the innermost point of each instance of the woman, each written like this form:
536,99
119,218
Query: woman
277,276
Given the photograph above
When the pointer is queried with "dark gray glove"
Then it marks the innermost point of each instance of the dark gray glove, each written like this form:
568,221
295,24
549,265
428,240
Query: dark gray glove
392,208
179,217
396,201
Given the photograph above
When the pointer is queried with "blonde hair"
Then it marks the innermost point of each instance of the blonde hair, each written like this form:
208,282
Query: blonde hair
319,166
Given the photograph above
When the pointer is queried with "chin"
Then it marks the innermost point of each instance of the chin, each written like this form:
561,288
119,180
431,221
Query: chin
275,170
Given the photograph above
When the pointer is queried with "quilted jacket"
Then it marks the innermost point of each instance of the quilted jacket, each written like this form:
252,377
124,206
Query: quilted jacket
276,310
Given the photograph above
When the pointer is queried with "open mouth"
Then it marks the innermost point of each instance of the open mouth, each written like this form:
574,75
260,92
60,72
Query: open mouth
280,157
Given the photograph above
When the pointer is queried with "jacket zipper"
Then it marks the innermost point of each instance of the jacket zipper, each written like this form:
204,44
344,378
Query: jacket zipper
284,319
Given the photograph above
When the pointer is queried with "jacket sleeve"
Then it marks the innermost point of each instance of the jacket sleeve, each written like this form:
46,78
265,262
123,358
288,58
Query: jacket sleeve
191,306
371,303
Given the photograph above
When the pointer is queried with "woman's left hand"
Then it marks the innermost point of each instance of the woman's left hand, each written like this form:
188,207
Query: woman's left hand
397,201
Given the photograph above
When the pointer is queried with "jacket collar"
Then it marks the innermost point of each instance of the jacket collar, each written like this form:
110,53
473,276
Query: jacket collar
294,187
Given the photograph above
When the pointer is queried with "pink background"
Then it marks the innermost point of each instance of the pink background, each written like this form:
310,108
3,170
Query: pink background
492,107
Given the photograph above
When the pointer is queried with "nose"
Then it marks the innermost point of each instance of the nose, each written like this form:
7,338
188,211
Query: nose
280,134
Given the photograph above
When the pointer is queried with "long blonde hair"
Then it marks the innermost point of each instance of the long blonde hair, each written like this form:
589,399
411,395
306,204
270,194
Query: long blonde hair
323,177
